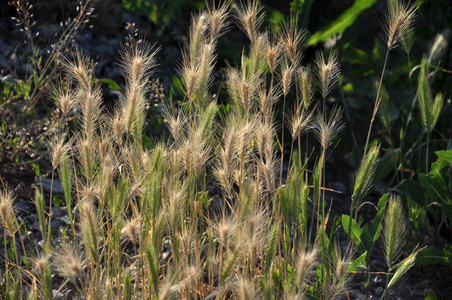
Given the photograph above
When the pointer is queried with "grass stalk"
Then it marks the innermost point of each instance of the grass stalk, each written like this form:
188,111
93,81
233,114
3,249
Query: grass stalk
376,105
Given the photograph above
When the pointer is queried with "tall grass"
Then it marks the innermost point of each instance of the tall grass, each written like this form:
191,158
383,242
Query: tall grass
145,222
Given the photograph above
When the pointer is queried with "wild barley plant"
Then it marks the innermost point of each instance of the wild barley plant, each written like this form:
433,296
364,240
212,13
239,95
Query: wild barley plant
150,227
397,26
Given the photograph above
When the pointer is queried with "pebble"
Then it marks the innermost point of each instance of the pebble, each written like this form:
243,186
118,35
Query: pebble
31,219
357,294
339,186
46,184
379,291
56,242
21,205
65,219
36,226
55,224
55,212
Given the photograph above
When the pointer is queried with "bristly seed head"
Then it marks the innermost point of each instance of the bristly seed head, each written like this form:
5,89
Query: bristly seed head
7,211
250,18
218,19
291,37
69,263
325,130
272,55
65,98
327,73
300,121
132,229
306,86
81,70
399,21
58,148
287,72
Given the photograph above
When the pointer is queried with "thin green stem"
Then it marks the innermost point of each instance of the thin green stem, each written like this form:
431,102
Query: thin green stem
282,142
427,152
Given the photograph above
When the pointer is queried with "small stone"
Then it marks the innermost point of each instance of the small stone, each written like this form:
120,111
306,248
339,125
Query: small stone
379,291
65,220
339,186
31,219
166,255
21,205
36,226
55,212
56,242
357,294
55,224
46,184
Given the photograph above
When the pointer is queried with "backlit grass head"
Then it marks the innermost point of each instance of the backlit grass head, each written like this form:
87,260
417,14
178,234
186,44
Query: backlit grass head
7,211
399,21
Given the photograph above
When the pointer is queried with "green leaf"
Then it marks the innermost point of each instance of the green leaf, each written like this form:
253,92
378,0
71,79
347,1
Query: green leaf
376,226
386,164
432,255
356,229
357,264
342,22
178,85
112,85
435,187
446,155
431,295
404,266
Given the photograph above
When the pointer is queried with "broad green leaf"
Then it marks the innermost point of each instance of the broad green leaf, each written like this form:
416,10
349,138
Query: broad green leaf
431,295
387,164
357,264
342,22
432,255
435,188
356,229
446,155
112,85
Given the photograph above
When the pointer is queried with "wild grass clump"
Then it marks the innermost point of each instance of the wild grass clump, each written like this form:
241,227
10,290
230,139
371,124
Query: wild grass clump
147,223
